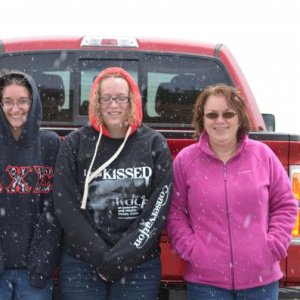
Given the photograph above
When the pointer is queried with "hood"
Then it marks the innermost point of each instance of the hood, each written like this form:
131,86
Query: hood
32,125
93,117
94,120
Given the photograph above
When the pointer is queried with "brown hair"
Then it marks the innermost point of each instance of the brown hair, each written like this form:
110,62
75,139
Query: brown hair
95,103
234,101
10,78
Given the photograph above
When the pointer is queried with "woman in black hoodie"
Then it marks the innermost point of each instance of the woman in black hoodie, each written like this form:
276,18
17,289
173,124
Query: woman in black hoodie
29,235
112,190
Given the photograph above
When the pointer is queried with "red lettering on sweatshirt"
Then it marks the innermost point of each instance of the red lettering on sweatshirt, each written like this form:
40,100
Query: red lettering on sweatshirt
19,184
45,176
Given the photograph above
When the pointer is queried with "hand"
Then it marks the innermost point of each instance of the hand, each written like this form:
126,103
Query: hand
109,272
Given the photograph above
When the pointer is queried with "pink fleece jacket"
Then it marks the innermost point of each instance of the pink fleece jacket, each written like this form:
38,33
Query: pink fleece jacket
231,222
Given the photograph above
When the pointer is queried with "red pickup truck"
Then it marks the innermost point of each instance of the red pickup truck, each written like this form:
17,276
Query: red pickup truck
170,75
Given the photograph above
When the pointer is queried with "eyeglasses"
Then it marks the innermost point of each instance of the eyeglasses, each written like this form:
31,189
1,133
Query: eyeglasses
225,115
9,103
120,99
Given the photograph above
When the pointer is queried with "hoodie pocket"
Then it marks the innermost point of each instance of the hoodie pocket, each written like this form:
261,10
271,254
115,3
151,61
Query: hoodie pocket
15,243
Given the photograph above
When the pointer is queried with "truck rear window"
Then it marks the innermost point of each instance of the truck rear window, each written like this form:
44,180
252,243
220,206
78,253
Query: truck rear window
169,83
172,84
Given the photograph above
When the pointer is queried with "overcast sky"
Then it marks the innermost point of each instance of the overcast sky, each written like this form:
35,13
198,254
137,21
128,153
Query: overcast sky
263,35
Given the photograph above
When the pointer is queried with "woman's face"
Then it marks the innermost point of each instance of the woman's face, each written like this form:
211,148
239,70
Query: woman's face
114,112
220,121
16,103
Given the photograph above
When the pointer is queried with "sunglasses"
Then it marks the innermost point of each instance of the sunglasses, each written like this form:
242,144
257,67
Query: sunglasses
225,115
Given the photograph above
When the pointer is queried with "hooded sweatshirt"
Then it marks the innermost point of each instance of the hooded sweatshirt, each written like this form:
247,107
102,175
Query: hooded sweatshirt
29,235
112,195
231,222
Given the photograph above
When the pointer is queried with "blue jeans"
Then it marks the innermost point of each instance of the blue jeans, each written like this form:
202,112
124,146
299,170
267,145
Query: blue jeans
14,284
198,291
80,281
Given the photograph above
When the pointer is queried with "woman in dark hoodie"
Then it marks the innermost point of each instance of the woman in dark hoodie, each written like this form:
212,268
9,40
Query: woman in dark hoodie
112,190
29,235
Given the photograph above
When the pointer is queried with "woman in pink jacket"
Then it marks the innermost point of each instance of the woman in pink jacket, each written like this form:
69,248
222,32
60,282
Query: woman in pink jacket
232,209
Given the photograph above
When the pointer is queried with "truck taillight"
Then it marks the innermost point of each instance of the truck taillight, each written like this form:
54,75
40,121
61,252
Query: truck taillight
296,231
295,181
296,185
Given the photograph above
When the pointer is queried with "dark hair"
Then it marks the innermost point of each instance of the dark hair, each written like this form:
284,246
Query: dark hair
13,78
234,101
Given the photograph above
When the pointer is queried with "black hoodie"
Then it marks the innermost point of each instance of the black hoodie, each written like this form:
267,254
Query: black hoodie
29,233
112,195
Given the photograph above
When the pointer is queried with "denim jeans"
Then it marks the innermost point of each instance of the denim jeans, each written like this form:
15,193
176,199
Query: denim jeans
200,291
80,281
14,284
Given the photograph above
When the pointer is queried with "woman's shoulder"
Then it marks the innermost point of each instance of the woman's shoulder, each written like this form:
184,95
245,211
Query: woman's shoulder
188,153
148,133
190,149
260,151
49,139
48,134
144,128
258,147
84,132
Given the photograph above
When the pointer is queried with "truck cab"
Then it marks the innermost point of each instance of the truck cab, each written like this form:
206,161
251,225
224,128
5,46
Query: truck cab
170,75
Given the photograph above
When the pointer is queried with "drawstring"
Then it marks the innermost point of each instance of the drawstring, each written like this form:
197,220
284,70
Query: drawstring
89,176
86,183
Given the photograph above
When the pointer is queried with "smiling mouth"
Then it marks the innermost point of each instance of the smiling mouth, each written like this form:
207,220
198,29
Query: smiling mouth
114,113
16,117
220,128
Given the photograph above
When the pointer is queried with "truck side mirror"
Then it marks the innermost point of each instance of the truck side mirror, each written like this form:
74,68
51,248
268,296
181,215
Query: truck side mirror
269,120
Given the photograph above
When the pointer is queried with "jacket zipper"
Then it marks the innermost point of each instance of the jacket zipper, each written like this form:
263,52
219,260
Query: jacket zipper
229,228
